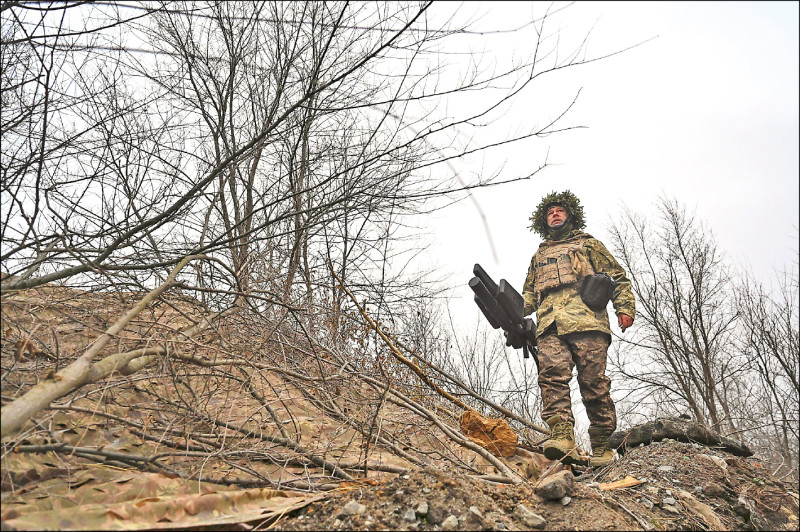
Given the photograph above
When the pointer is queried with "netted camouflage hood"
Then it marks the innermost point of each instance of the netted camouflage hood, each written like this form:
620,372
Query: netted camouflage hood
565,199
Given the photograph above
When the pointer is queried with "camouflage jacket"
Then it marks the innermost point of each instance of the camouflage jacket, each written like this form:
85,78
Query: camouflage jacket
563,305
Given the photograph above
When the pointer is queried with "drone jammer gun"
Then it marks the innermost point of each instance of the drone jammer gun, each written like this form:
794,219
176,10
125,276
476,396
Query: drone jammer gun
502,306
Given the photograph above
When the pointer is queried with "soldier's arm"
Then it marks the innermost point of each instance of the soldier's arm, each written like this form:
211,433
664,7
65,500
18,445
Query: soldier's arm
528,294
604,262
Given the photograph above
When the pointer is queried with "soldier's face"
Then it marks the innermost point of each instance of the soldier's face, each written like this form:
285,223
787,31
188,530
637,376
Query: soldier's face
556,216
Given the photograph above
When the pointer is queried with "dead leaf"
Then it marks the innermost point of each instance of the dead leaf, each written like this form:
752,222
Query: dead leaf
626,482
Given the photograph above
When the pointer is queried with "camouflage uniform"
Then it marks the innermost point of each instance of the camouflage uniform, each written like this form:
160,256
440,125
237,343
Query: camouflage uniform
557,356
569,333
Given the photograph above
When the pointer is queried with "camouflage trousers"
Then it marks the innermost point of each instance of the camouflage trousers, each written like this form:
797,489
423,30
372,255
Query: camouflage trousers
588,351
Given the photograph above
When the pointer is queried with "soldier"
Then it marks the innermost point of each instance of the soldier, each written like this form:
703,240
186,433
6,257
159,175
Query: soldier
569,332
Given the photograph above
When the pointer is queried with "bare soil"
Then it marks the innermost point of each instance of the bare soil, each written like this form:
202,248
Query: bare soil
742,496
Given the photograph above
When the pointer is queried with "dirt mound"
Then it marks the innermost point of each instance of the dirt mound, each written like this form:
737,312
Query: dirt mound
225,435
435,500
693,486
677,486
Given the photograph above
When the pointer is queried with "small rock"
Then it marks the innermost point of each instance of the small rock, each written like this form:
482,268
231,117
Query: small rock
406,477
566,500
337,523
426,490
409,516
475,519
451,523
742,509
668,493
666,468
667,500
354,508
530,519
554,487
671,509
437,513
422,509
499,525
647,503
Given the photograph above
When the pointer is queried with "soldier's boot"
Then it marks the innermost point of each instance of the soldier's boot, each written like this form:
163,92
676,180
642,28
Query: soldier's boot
561,445
601,454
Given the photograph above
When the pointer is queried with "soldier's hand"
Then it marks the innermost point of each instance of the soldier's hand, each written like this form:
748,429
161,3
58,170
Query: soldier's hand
625,321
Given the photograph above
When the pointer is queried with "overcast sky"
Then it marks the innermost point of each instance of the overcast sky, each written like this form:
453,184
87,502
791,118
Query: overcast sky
707,113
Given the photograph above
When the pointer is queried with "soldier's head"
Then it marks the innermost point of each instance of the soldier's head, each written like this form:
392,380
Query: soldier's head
556,212
557,216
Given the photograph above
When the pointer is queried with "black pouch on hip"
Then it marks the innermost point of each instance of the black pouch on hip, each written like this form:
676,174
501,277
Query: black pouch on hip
596,290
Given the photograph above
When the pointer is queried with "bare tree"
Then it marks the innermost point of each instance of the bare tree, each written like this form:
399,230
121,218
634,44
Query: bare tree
685,313
769,340
710,343
271,131
224,182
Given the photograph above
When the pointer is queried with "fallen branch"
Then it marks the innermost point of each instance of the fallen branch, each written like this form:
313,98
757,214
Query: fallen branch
296,447
78,373
709,516
341,417
644,524
137,428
